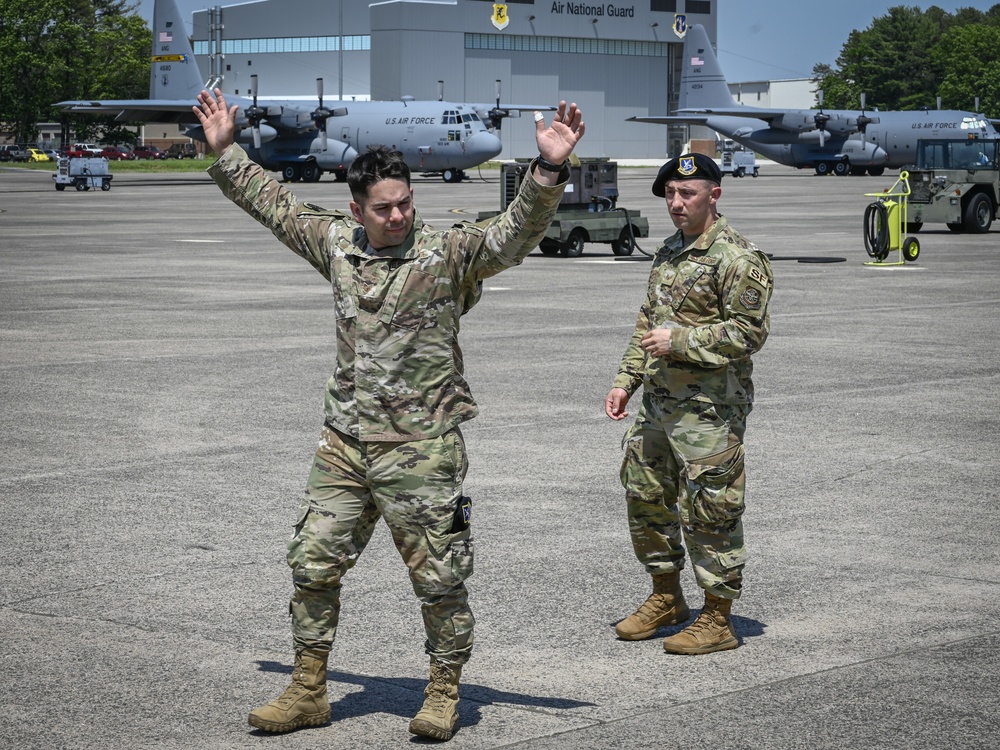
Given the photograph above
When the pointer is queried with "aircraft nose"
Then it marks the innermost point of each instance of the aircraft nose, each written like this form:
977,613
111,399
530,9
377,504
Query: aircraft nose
483,145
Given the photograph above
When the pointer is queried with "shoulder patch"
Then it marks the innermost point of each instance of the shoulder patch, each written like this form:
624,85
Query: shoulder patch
751,298
757,275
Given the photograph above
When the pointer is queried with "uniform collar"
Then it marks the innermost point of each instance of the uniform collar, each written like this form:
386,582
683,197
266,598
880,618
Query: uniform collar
675,245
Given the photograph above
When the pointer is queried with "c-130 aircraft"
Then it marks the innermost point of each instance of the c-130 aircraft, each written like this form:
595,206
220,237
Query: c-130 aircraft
302,141
838,141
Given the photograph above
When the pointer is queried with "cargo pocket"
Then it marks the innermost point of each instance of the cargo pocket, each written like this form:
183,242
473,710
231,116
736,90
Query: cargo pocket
295,543
639,472
716,485
450,548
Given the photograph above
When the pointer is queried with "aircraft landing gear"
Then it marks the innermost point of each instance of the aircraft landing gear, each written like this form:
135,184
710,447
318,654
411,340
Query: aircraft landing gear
292,173
841,168
823,168
311,172
453,175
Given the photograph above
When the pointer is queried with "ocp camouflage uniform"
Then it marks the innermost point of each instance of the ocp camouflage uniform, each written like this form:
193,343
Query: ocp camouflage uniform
391,446
683,470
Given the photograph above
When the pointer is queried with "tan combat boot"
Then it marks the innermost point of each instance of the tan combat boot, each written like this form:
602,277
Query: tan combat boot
439,714
711,630
304,702
665,606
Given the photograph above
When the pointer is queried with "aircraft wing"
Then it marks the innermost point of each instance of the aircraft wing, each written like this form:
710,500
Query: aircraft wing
282,116
135,110
671,119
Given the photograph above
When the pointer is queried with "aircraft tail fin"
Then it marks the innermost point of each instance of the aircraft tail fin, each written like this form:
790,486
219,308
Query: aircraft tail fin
174,73
703,86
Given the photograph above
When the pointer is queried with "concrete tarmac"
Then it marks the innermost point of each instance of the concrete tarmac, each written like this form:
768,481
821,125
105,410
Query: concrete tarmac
162,364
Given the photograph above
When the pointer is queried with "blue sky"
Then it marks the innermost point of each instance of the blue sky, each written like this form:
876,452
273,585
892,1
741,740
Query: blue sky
758,39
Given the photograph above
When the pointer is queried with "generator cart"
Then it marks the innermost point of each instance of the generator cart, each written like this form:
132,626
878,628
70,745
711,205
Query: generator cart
588,211
737,161
83,173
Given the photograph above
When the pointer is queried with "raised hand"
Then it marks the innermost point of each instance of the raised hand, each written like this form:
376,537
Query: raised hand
217,120
557,141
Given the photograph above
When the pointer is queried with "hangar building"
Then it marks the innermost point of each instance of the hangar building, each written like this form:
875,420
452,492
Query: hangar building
615,59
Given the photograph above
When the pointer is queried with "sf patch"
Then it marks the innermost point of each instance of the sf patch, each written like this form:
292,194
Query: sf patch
757,275
751,298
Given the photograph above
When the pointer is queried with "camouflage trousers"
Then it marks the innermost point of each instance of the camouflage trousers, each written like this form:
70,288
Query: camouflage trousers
684,483
416,487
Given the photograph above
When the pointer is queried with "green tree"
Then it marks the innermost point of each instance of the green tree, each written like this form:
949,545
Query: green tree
53,50
970,55
907,58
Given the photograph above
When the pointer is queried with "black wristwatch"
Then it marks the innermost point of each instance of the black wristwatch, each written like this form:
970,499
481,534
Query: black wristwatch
549,166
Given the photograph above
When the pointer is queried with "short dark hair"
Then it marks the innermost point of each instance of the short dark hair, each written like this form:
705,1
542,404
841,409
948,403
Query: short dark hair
376,164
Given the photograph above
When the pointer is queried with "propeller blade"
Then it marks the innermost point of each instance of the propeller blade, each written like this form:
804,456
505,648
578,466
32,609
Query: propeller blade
255,114
321,115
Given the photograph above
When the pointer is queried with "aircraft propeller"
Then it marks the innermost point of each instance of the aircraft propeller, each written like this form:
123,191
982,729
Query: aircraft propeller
821,119
863,120
255,115
321,114
496,114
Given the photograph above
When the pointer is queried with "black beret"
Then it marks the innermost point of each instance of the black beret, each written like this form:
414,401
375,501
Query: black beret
686,167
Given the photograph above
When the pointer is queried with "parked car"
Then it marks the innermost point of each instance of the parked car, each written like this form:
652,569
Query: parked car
148,152
52,154
182,151
13,152
114,153
83,150
36,154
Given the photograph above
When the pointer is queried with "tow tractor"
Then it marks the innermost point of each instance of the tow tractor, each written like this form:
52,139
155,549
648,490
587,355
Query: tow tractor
588,211
955,182
83,173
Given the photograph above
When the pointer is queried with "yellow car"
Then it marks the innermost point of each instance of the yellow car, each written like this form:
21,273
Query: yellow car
36,154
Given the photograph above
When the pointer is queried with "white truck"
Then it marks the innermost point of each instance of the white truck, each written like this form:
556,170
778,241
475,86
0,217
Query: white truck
83,173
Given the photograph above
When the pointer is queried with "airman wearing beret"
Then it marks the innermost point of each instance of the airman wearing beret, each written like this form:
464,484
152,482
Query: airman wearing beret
706,312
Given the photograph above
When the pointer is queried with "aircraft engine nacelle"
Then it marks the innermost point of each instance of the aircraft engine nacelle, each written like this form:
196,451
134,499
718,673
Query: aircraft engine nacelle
795,122
244,136
338,155
839,125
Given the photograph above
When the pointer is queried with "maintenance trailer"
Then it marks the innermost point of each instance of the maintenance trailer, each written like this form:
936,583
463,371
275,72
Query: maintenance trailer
83,173
588,212
955,182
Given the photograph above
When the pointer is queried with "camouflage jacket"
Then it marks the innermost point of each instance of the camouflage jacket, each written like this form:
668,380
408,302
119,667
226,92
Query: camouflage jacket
399,373
714,294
